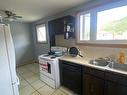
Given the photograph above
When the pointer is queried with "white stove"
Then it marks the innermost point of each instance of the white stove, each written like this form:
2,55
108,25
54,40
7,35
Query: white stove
49,69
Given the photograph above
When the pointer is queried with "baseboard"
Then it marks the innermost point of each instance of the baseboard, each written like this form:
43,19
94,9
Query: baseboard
25,63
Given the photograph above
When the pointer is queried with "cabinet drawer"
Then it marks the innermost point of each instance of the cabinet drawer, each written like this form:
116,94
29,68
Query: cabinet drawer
71,68
117,78
74,65
94,72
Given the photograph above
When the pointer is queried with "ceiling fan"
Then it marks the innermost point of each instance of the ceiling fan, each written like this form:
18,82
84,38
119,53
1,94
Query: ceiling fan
11,16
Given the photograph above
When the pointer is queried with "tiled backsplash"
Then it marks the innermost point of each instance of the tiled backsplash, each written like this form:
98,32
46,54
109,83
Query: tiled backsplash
60,41
91,52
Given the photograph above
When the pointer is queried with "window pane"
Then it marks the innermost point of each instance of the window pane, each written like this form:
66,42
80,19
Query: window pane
112,24
85,27
41,33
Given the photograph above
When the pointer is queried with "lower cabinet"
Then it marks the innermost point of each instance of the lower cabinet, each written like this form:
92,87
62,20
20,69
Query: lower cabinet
112,88
85,80
93,81
71,76
116,84
92,85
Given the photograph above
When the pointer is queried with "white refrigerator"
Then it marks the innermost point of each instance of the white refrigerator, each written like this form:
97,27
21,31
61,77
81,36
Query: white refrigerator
8,79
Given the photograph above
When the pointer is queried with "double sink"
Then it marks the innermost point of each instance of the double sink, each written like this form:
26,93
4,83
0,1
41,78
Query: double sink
109,64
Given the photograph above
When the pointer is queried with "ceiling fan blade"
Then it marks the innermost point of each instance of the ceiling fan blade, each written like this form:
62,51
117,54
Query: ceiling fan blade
13,14
10,16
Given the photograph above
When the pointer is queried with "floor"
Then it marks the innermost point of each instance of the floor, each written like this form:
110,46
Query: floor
30,84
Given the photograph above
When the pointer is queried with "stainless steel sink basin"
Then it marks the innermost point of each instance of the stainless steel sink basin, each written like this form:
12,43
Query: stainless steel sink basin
116,66
109,63
99,62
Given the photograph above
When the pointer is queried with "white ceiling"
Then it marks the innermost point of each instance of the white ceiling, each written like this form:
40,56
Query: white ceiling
33,10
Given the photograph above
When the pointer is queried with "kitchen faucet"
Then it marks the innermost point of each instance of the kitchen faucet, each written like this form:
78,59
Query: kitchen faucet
110,61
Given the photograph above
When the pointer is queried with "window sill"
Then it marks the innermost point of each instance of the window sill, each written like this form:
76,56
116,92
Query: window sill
103,44
42,42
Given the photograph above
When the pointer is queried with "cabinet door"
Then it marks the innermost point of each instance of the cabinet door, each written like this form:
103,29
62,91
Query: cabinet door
51,29
92,85
71,78
59,26
113,88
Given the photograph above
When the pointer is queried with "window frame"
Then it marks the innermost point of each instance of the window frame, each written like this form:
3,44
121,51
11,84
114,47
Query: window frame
78,27
40,25
83,23
93,26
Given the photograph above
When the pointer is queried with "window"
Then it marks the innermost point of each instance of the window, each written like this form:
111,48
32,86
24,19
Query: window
112,24
106,24
41,33
85,27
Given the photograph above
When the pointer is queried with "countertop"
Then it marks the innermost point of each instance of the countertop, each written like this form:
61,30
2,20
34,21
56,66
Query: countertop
85,61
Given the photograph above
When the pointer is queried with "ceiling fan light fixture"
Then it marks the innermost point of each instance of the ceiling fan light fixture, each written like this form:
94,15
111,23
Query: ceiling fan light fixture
10,19
10,16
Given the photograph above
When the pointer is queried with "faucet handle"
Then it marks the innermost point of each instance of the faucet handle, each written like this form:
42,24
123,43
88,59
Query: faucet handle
110,60
107,58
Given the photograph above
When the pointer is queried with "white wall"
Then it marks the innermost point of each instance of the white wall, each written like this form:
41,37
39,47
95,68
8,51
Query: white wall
22,37
39,48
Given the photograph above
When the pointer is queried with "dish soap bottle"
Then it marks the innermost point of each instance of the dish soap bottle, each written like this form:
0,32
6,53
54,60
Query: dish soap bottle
121,58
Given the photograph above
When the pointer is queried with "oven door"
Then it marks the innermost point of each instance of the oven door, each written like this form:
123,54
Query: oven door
46,68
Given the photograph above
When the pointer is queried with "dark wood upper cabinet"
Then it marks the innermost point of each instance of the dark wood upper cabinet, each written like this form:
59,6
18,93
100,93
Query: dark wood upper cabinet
59,26
63,25
51,29
69,27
